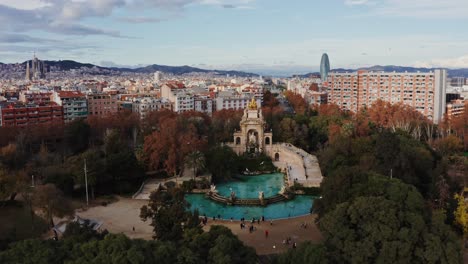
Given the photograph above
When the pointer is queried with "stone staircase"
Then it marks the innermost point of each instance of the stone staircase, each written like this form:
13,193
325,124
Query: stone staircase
246,202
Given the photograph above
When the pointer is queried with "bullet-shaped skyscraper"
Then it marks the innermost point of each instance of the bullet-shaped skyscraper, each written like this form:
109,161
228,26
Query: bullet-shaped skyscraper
324,67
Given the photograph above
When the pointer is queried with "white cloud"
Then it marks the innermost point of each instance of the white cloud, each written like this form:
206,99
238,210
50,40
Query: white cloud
460,62
26,4
356,2
415,8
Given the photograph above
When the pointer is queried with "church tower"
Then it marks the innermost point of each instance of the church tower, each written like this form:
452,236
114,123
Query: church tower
28,74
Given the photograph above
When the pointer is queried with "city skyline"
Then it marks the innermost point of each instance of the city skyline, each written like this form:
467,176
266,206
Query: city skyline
248,35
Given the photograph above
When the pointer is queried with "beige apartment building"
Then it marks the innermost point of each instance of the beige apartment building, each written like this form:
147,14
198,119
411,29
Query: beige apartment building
423,91
101,104
456,107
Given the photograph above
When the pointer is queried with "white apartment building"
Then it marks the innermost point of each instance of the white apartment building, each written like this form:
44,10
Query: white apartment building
179,96
74,104
183,102
234,102
143,106
203,104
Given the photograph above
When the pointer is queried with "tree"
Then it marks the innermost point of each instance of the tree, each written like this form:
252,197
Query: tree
461,214
33,251
120,160
224,124
7,184
95,168
77,135
166,148
220,245
305,253
168,214
449,145
222,162
297,102
51,202
385,221
196,161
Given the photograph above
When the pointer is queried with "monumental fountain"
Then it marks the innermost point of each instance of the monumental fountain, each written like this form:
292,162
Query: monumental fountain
260,195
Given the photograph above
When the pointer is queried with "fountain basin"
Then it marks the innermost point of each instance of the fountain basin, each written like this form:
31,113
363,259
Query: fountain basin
298,206
247,187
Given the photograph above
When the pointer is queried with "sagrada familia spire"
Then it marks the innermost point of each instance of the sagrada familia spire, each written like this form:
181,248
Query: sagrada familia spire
37,70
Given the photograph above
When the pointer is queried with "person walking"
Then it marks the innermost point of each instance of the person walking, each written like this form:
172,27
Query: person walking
266,233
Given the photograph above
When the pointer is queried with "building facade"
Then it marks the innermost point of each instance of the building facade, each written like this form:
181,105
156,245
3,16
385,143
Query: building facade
74,104
203,104
143,106
183,102
423,91
324,67
456,108
35,96
22,115
234,102
101,105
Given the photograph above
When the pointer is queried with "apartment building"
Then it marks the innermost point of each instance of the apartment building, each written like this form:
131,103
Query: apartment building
74,104
143,106
456,107
316,98
423,91
203,104
35,96
22,115
179,96
101,104
234,102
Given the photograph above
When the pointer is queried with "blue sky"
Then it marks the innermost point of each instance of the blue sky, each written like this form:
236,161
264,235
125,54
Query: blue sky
256,35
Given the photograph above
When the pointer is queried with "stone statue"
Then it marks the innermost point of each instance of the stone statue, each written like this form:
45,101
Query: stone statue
252,138
212,188
283,190
253,104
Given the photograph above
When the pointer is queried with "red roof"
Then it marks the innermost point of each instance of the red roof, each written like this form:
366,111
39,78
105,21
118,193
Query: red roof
175,85
70,94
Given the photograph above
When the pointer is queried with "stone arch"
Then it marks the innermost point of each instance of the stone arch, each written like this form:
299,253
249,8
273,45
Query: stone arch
238,140
277,156
267,141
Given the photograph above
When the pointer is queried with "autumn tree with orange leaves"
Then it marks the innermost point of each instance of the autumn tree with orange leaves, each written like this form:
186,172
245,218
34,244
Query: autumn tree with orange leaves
166,148
297,102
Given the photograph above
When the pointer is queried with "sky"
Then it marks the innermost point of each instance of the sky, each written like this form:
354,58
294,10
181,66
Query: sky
282,36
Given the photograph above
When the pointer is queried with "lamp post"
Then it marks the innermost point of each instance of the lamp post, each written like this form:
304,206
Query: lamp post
86,182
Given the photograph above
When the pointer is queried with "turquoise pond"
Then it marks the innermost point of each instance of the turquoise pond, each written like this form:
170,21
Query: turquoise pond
248,187
300,205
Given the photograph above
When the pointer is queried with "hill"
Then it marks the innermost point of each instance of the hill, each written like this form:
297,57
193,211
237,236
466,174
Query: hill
66,65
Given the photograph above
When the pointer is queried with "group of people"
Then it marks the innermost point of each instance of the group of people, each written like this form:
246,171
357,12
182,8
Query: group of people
304,225
288,241
252,222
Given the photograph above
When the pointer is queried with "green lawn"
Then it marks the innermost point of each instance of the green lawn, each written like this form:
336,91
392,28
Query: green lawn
16,224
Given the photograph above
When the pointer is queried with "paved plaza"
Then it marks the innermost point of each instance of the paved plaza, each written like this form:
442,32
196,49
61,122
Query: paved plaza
123,215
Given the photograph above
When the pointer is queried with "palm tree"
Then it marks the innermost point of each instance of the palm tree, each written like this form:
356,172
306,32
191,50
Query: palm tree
195,160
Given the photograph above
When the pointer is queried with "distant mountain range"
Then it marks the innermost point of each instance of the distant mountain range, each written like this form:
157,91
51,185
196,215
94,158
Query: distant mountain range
66,65
391,68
